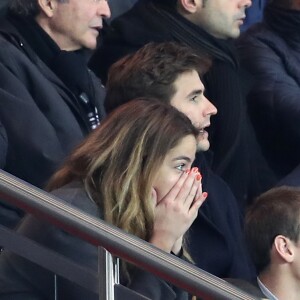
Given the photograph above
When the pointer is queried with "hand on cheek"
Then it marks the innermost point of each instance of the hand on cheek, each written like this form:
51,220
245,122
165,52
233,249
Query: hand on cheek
175,213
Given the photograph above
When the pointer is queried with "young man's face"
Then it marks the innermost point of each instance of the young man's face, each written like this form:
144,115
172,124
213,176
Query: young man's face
221,18
75,24
189,98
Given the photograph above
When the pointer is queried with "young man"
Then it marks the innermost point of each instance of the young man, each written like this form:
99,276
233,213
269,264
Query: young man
273,233
49,98
208,27
172,73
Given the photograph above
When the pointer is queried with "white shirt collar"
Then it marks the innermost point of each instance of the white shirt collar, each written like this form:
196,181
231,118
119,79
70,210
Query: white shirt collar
266,291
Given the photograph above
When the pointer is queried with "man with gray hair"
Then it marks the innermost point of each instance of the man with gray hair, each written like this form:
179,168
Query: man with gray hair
50,100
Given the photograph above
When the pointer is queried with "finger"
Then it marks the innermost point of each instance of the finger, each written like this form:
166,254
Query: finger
187,186
199,191
175,190
192,194
197,204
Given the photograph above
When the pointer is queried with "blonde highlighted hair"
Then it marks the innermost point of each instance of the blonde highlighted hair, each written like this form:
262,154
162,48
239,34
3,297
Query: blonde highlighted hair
119,160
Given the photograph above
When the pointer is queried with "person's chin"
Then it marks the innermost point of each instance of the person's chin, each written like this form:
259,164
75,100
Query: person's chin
203,146
90,43
235,33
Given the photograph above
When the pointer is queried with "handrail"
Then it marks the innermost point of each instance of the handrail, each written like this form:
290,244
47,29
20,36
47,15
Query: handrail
128,247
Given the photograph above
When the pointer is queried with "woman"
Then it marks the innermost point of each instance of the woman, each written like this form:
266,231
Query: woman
134,172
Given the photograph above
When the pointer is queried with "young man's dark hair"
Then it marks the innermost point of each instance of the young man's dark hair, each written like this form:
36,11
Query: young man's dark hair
276,212
273,234
144,74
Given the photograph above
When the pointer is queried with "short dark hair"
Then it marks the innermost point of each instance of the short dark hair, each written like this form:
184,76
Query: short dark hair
26,7
281,3
169,3
172,3
151,72
276,212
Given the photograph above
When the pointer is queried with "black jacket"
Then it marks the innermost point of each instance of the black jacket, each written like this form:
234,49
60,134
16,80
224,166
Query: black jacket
270,51
236,153
40,119
216,238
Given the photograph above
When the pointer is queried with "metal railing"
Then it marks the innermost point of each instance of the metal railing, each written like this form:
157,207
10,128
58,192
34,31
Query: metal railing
120,244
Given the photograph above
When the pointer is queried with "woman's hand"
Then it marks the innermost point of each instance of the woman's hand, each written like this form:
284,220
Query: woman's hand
174,214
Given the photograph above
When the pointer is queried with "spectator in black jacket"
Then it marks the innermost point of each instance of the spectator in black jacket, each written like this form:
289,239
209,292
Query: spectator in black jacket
50,100
270,51
207,27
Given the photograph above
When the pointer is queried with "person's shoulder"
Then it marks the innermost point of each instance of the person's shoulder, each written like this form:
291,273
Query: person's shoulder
258,33
251,288
11,42
75,195
8,32
292,179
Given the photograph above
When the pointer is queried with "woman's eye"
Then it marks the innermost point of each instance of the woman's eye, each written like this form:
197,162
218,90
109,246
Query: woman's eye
180,167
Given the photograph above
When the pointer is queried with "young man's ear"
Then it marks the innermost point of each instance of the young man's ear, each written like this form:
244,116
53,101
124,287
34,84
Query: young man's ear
284,248
47,7
188,6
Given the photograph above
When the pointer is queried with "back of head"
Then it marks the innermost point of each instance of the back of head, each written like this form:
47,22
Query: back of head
151,72
282,3
276,212
167,3
24,7
119,160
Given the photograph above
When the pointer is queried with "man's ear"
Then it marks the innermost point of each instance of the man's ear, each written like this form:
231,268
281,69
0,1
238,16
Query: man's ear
284,248
47,7
189,6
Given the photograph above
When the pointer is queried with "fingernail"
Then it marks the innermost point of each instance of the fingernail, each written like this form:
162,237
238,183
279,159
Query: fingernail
195,170
188,171
205,194
198,177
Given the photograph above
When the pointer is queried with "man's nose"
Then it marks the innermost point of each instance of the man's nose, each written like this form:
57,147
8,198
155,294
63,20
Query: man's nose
104,9
210,108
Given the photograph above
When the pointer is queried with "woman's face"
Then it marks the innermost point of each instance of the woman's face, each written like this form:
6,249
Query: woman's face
177,160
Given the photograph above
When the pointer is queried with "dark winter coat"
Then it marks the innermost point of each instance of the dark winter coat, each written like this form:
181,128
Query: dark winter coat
271,52
216,238
40,119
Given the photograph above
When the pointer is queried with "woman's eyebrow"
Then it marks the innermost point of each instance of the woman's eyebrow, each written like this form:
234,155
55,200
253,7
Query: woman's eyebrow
182,157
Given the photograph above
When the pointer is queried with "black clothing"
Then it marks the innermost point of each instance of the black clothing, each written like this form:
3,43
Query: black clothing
236,154
292,179
270,51
41,118
216,239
